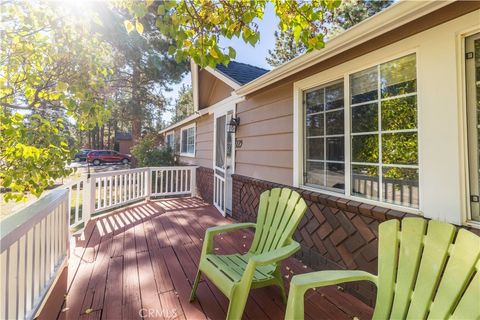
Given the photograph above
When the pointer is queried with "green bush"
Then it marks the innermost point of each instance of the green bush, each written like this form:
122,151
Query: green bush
147,153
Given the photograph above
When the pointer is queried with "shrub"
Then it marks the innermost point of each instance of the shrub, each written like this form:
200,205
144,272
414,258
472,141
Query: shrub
148,154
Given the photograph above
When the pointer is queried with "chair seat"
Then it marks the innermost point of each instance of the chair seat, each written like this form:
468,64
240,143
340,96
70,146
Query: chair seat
234,265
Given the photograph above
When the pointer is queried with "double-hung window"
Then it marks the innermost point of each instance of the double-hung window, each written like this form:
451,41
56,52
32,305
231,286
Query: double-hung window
381,132
170,140
187,141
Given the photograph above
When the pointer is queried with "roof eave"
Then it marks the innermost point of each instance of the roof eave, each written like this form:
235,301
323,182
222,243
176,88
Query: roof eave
391,18
220,75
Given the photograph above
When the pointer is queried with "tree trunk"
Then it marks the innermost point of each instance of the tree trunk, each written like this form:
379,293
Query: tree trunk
102,137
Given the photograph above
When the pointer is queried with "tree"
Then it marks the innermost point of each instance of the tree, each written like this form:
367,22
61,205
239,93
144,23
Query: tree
351,12
183,104
285,49
143,70
196,27
52,68
348,14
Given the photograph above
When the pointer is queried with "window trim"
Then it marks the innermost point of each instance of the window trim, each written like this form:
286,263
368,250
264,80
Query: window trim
466,214
332,75
188,154
171,133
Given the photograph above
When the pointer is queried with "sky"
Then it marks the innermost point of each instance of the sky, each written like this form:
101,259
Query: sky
245,52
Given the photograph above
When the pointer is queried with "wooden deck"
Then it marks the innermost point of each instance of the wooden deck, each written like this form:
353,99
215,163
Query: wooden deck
143,259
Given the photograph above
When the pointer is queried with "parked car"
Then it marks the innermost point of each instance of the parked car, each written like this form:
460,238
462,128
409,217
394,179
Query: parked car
97,157
82,155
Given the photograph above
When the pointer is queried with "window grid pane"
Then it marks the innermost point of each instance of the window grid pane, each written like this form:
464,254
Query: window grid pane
324,137
384,143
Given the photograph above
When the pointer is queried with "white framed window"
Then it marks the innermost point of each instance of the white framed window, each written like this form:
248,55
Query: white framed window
187,141
170,140
384,139
324,135
360,134
472,81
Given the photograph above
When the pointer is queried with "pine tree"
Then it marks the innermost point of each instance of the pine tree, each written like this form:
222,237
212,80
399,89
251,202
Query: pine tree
351,12
285,48
348,14
183,104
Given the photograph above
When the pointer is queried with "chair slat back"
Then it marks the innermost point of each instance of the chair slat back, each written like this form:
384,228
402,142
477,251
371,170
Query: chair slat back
279,213
425,272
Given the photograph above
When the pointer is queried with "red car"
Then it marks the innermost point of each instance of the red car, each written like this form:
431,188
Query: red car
107,156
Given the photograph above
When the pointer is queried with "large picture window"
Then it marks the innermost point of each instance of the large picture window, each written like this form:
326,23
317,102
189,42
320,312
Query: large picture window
384,147
382,133
187,141
324,137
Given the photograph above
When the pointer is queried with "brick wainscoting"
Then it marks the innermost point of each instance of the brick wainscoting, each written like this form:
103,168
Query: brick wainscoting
335,233
205,184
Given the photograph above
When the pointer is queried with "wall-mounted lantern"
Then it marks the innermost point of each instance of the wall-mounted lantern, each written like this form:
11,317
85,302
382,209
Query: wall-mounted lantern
233,125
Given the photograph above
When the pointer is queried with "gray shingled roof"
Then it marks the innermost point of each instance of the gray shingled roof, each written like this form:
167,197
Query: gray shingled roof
123,136
241,72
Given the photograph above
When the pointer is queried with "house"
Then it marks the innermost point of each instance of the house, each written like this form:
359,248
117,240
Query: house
382,123
123,142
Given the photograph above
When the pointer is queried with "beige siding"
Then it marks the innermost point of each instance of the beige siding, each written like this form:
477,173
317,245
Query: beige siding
211,89
266,132
203,143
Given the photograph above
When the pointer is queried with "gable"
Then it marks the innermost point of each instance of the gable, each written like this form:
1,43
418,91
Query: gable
211,89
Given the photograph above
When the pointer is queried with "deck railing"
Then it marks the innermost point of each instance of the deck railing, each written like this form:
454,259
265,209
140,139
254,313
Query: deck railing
35,241
102,191
34,247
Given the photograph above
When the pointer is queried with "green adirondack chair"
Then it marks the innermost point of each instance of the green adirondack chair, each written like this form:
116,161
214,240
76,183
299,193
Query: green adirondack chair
279,213
424,272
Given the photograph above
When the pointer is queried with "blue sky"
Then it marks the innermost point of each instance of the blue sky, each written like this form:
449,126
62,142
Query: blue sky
245,52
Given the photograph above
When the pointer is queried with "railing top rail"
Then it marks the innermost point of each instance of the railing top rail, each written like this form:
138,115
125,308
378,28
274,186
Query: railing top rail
119,172
115,172
173,167
16,225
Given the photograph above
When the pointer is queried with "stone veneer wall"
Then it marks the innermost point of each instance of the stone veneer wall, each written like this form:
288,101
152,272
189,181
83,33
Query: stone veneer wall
335,233
205,184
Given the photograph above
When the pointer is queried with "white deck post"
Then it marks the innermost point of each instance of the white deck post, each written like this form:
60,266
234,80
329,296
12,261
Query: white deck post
148,183
193,181
88,199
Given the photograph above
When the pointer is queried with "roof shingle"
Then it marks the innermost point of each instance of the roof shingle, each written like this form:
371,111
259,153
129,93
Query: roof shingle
241,72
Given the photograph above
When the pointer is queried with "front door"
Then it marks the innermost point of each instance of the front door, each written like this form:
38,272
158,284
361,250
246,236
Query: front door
223,162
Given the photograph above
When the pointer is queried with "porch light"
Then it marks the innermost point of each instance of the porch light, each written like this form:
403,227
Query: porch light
233,124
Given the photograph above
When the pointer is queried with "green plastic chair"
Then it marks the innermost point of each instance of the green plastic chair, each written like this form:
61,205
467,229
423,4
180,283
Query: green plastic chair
424,272
279,213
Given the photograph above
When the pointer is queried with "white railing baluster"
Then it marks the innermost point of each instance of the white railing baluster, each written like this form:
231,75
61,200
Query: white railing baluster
77,201
161,181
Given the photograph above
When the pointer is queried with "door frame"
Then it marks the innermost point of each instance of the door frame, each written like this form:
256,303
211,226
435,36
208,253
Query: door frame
220,111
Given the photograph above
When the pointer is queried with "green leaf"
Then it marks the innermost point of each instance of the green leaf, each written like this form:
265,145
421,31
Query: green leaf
232,53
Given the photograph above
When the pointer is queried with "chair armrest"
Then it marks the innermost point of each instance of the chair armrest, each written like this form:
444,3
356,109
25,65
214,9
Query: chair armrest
210,232
276,255
302,282
326,278
229,227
